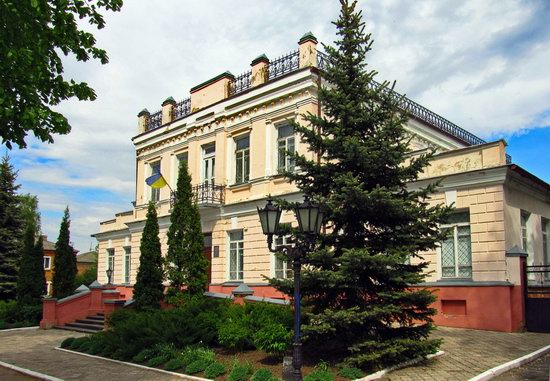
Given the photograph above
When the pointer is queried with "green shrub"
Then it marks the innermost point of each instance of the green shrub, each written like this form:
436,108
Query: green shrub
191,354
197,366
144,355
85,346
174,364
235,334
96,347
214,370
13,315
273,338
158,360
120,316
262,374
67,342
240,372
319,375
351,373
76,343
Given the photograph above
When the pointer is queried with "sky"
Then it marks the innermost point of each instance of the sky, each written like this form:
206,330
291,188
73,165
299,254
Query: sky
483,64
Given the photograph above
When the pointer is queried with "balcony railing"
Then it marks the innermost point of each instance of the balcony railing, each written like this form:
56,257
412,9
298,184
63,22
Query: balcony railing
182,108
283,65
242,83
206,194
154,121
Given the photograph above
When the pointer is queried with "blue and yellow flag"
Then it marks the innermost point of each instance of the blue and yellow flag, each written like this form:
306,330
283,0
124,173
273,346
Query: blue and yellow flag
156,181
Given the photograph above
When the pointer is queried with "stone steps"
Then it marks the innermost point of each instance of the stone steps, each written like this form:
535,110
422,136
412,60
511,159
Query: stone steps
91,324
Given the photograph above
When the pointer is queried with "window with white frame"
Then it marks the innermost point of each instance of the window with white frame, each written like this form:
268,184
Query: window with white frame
456,248
208,163
236,255
283,268
47,263
545,222
285,144
111,259
242,159
127,263
155,192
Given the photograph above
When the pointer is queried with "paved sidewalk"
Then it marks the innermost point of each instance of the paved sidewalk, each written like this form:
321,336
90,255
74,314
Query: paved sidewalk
33,349
470,352
538,370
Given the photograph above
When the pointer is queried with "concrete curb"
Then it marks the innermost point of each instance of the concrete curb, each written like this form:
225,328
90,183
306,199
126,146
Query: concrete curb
497,370
180,375
383,372
19,329
28,372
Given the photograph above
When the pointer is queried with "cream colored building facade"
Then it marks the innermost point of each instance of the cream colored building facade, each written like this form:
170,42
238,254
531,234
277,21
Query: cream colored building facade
233,132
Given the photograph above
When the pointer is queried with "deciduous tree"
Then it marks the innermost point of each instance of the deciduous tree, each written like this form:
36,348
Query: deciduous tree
33,35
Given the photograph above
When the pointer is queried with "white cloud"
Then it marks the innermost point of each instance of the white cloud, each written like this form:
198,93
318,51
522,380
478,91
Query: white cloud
481,64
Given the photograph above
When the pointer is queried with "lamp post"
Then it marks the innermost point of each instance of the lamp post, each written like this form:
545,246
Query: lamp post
109,273
310,219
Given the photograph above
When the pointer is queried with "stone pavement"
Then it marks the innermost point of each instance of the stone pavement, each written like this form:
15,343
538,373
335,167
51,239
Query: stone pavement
33,349
538,370
11,375
470,352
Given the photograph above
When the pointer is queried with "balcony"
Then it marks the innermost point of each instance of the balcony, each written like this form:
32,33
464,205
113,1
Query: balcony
206,195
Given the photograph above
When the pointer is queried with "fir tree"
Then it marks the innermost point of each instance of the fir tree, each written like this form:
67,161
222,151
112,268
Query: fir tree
185,261
64,263
148,290
356,284
11,230
31,283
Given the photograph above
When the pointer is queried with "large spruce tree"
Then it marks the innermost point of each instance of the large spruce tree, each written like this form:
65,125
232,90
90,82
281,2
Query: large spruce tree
185,261
11,230
149,290
31,283
64,263
356,283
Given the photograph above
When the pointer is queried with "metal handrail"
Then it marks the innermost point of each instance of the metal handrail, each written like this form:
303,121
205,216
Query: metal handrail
242,83
182,108
283,65
208,194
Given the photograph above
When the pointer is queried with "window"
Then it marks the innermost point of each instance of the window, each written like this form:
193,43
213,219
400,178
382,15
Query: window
127,263
285,144
47,263
283,268
236,255
111,259
545,247
48,287
242,160
155,192
525,230
182,158
456,249
208,163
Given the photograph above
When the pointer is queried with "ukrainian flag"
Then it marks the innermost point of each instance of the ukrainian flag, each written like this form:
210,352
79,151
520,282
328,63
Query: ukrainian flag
156,181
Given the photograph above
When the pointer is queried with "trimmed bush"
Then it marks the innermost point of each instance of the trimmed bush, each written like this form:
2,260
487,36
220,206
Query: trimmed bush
351,373
262,374
67,342
197,366
95,348
273,338
319,375
76,343
240,372
174,364
158,360
85,346
214,370
144,355
235,334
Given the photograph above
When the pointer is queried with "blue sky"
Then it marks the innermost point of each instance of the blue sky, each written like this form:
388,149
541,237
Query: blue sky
483,64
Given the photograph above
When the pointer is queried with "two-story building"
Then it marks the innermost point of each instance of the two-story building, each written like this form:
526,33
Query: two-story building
233,132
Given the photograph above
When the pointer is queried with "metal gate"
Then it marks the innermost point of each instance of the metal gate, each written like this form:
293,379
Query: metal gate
537,298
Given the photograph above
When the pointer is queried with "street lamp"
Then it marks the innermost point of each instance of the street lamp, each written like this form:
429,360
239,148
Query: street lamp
109,273
310,219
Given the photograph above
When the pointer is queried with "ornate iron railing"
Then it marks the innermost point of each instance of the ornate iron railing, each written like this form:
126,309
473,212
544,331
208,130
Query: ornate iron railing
182,109
283,65
418,111
206,194
154,121
242,83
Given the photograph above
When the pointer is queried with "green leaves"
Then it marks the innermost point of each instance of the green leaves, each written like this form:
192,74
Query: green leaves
31,72
64,263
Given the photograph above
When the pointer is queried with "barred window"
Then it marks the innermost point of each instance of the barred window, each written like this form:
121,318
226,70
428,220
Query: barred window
236,255
456,249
